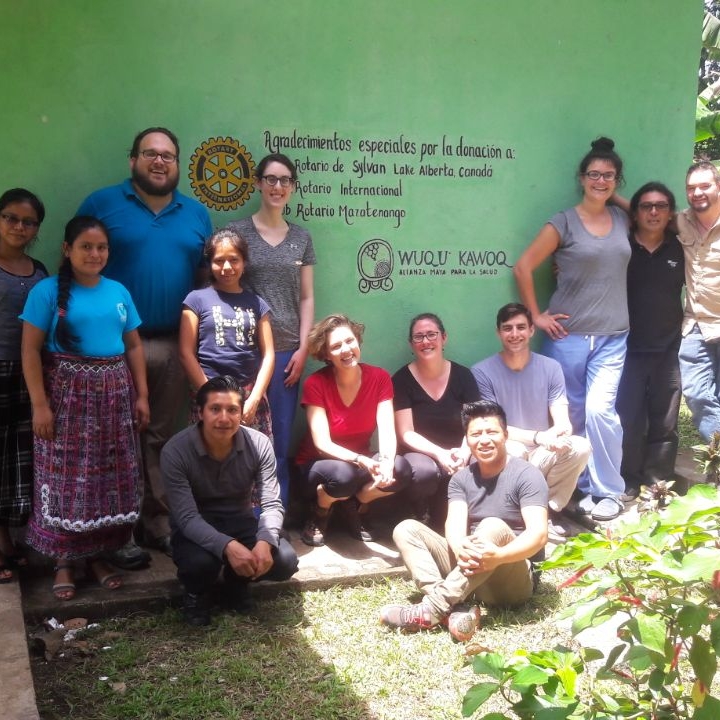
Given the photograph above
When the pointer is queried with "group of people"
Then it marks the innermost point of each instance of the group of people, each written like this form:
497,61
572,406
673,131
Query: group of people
148,300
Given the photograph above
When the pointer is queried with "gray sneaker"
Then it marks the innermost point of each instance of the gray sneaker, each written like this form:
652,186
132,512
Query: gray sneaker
607,509
130,557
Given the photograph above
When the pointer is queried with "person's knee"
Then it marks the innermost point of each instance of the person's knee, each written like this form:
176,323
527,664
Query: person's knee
285,561
495,530
405,530
339,479
581,447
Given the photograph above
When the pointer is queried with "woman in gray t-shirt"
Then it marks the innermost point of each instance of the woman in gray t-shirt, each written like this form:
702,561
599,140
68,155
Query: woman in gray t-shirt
586,321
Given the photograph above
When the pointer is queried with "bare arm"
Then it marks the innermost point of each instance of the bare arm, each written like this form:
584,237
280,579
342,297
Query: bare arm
387,443
267,350
449,461
295,366
43,421
456,525
541,248
135,357
187,348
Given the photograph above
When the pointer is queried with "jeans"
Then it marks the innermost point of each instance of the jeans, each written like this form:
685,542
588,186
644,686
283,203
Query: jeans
283,403
700,372
592,366
427,556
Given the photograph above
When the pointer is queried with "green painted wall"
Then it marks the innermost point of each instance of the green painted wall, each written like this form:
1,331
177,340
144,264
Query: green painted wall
534,80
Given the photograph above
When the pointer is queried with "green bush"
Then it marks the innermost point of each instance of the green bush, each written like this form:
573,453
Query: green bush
659,576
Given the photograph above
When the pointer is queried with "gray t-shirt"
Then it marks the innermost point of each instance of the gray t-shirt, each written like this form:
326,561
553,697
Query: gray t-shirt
274,274
14,290
525,395
592,275
518,485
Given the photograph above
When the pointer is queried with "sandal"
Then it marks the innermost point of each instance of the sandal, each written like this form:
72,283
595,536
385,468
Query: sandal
64,590
6,574
107,577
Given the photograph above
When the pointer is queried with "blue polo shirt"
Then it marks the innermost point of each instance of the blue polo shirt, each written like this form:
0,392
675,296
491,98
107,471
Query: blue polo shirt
155,256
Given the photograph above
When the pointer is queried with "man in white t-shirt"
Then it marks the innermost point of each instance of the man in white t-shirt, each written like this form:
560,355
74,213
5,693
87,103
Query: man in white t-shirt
531,389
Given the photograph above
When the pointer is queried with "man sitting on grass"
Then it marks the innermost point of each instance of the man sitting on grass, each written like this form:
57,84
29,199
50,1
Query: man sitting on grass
496,525
210,471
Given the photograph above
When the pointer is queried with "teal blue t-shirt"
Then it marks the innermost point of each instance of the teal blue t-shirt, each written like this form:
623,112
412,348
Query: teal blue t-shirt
99,316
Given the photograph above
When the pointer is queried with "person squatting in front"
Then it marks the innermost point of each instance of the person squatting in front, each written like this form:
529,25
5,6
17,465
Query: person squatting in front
210,471
496,529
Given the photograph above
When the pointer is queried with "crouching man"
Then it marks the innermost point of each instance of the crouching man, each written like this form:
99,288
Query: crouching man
211,471
496,525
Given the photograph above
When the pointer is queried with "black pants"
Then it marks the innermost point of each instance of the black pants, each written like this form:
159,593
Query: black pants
648,402
199,569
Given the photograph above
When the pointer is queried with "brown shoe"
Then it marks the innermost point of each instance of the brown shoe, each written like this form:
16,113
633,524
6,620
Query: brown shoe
315,528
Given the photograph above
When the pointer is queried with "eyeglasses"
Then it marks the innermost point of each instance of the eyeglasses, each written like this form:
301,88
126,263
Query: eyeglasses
285,180
27,223
166,157
417,338
596,175
648,206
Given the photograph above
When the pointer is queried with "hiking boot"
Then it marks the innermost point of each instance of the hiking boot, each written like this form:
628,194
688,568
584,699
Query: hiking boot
129,557
196,609
420,616
462,623
316,527
356,522
239,598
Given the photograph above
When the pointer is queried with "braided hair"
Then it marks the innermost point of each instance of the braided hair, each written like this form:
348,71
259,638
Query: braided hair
64,336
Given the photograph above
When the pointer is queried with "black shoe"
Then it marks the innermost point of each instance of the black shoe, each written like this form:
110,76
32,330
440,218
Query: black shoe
162,544
313,533
356,523
129,557
240,600
195,609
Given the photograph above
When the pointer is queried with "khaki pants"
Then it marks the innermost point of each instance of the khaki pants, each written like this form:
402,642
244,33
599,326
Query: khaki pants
427,555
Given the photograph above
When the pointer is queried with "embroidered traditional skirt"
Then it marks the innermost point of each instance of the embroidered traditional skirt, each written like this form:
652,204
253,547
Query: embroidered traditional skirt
87,487
16,446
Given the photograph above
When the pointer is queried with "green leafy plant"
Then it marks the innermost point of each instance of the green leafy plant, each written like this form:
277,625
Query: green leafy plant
708,458
658,577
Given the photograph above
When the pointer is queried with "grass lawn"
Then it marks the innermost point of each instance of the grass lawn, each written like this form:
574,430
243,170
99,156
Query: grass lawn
309,656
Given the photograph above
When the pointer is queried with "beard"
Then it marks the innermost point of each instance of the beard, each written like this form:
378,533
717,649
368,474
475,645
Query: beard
147,186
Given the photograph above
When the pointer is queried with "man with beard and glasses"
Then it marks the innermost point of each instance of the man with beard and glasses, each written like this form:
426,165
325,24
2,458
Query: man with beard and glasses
156,241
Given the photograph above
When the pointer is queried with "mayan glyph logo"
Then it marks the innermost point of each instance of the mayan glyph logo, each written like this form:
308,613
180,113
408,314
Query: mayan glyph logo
375,265
221,173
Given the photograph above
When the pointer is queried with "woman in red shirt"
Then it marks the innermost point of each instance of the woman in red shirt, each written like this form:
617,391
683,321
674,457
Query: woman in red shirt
345,403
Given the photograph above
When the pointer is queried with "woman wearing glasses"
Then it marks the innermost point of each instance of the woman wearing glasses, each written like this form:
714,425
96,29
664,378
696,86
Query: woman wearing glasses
281,272
21,213
429,395
346,402
586,321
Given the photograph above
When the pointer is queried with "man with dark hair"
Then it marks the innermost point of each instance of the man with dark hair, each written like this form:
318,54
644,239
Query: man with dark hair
211,471
156,239
531,389
699,234
496,526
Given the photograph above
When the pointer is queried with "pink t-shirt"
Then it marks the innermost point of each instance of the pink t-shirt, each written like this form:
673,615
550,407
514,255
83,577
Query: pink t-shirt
350,426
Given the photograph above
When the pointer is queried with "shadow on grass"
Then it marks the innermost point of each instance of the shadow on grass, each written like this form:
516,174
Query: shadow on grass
155,666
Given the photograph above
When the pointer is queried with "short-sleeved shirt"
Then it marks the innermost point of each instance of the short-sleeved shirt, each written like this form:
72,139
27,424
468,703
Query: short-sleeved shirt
655,282
702,276
592,272
14,290
99,316
350,426
437,420
274,274
228,341
518,485
155,256
525,395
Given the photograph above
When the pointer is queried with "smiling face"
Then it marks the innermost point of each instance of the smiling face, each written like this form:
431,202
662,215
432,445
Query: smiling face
18,226
342,348
702,191
155,177
515,334
486,439
653,213
221,415
603,187
276,196
426,339
88,255
227,266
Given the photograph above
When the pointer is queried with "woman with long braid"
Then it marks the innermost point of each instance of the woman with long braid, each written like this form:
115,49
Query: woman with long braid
85,370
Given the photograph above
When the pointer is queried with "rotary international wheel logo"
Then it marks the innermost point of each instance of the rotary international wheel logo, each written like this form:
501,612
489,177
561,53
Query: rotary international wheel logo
221,173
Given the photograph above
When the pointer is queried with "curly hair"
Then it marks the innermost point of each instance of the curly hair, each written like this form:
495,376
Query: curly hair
317,337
